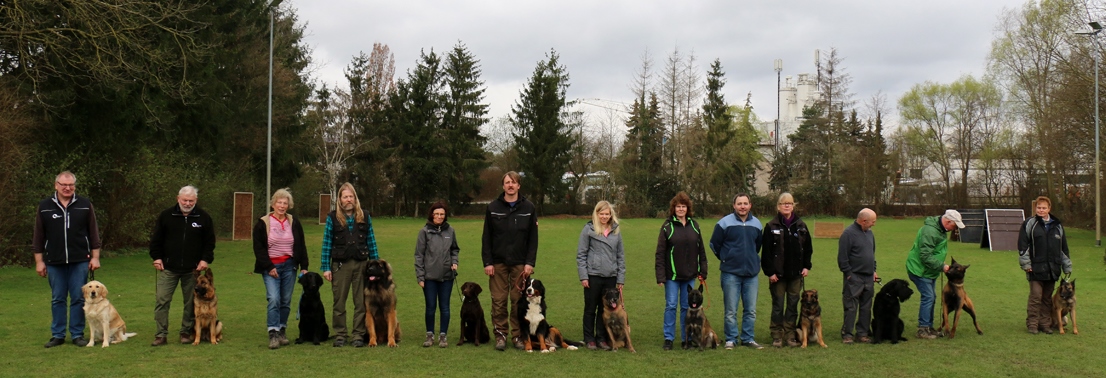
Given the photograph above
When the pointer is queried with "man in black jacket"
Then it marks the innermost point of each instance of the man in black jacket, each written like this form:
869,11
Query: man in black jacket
183,242
66,245
510,249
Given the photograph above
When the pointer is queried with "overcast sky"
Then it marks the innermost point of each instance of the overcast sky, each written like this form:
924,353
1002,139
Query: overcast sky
887,46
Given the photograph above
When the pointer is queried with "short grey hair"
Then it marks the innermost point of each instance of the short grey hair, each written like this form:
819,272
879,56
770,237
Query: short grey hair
66,173
188,190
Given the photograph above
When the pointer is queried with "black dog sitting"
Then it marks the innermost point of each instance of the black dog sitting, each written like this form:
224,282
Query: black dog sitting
473,326
313,326
886,324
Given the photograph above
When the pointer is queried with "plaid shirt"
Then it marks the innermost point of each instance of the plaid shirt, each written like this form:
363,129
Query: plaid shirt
328,235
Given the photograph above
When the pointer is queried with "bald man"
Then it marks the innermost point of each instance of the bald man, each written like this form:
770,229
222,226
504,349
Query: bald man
856,257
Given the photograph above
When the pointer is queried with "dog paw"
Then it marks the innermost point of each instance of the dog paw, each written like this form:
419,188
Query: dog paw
392,345
550,350
572,347
530,351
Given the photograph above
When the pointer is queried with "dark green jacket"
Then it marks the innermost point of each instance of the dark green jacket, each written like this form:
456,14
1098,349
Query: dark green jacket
927,256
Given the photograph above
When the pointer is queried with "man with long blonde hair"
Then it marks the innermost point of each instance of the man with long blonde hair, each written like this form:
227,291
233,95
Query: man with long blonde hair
348,242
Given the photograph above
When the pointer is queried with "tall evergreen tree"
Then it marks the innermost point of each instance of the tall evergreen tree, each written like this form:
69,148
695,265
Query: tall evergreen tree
463,114
716,116
414,130
542,136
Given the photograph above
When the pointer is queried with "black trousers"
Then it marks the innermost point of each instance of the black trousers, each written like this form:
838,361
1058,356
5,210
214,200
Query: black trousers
593,296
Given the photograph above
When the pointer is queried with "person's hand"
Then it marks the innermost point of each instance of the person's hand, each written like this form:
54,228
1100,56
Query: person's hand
302,272
1029,270
40,268
773,279
454,267
273,273
945,269
875,277
489,270
619,286
158,265
528,270
585,283
422,284
327,276
201,266
94,264
661,284
805,272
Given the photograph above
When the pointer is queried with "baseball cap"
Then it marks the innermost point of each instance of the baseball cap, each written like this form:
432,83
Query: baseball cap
954,216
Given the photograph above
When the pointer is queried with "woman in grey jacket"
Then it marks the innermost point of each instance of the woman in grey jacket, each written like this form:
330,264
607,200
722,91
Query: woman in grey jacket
601,264
435,266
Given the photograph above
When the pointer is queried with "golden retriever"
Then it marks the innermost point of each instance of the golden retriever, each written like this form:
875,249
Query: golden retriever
101,316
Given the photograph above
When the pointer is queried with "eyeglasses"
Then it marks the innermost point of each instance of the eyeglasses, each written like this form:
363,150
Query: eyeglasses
787,204
66,185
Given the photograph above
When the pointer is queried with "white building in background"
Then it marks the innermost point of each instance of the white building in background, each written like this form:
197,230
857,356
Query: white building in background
795,94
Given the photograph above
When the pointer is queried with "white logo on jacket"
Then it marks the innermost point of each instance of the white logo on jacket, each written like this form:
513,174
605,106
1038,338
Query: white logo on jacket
196,225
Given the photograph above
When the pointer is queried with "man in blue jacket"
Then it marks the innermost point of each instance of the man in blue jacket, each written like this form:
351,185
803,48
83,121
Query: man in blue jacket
735,241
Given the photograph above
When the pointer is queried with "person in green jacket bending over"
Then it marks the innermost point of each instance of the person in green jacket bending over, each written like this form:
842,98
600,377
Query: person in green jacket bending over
926,262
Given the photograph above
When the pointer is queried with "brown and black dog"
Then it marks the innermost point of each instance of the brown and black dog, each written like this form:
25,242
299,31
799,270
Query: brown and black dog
380,304
1063,303
699,333
206,309
954,298
535,332
474,327
810,319
615,320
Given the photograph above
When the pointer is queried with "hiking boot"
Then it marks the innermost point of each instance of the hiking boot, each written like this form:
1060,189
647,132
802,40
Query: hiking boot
752,344
441,340
283,337
935,332
777,343
1046,330
339,342
518,344
80,341
186,338
847,339
604,346
54,341
667,345
923,333
158,341
500,343
793,343
729,345
429,340
274,339
358,343
865,339
591,345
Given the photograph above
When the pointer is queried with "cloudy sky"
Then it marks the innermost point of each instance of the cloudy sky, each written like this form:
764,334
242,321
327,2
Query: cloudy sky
887,46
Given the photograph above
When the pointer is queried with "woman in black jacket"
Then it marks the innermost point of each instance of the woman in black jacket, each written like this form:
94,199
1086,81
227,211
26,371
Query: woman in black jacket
785,259
435,267
681,259
278,248
1043,254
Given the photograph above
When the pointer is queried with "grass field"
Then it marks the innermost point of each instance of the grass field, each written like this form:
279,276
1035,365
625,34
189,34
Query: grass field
994,282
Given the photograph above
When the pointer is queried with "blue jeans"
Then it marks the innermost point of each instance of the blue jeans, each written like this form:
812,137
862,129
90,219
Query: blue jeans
734,286
437,295
66,281
279,293
675,292
926,287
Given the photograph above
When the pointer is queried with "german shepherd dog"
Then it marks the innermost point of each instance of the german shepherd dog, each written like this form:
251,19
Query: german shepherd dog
954,299
615,320
380,304
699,333
206,309
810,319
886,324
313,326
474,327
534,328
1063,303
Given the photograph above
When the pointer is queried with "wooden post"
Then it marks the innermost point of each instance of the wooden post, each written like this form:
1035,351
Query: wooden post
243,216
324,207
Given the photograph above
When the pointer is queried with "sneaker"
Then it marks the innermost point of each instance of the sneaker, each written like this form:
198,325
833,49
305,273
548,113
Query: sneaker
54,341
847,339
441,341
667,345
923,333
358,343
752,344
80,341
339,342
159,341
935,332
604,346
777,343
274,339
186,338
500,343
591,345
865,339
793,343
729,345
429,340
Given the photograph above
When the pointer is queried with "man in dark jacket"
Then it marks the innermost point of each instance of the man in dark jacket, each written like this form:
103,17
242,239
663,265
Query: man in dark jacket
785,259
1043,250
735,242
510,249
183,242
856,257
66,245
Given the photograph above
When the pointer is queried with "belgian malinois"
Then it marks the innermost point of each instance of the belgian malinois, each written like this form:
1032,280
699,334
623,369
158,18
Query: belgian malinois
954,298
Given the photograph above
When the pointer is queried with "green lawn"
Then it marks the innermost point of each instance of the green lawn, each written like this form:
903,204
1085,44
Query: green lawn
994,282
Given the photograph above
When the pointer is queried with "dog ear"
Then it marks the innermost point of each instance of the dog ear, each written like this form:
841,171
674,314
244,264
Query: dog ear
953,261
700,287
209,274
1072,283
103,291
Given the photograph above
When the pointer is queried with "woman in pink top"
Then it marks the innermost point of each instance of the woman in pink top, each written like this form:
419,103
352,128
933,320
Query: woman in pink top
278,248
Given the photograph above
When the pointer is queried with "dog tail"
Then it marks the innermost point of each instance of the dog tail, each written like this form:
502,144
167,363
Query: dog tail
129,335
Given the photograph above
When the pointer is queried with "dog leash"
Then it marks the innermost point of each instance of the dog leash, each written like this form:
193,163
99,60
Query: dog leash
518,281
706,292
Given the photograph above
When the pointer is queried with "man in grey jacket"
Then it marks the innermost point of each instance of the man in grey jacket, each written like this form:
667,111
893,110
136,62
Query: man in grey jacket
856,257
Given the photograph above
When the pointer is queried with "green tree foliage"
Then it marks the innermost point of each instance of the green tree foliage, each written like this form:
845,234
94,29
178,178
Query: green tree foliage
415,134
542,136
647,185
464,114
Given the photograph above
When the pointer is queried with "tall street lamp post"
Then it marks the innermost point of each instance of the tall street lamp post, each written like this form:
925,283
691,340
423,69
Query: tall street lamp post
1095,29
